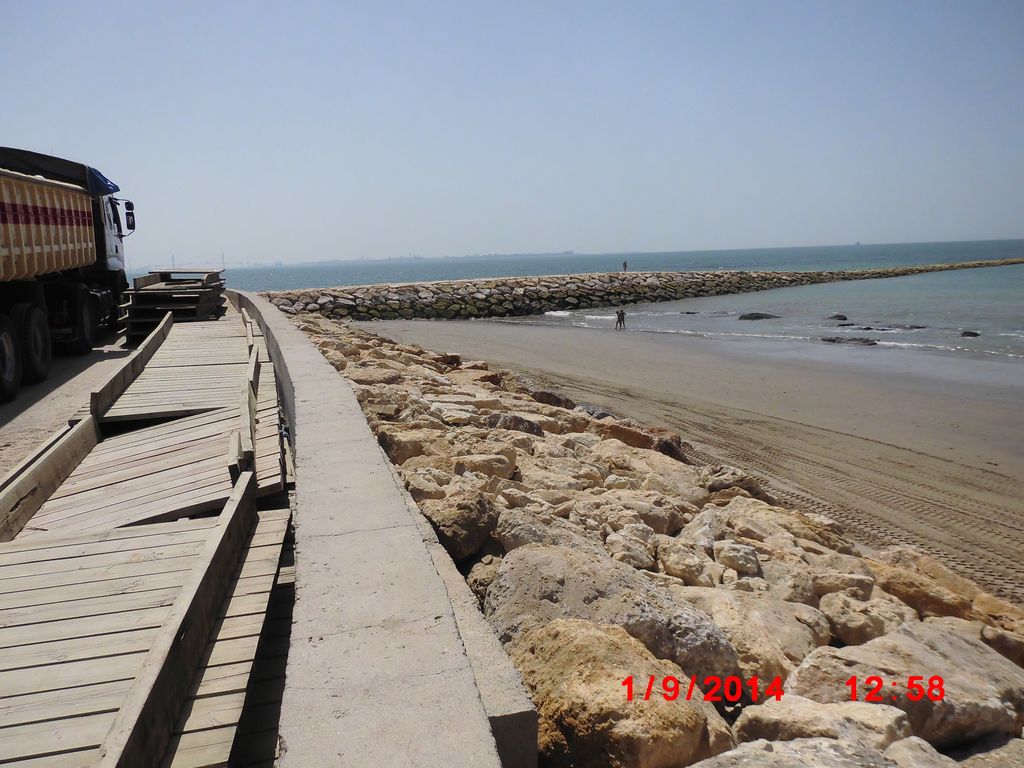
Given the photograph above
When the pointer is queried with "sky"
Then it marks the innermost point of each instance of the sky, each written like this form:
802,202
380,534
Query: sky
307,131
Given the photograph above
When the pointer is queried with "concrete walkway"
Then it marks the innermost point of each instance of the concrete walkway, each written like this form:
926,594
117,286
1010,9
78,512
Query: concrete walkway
377,671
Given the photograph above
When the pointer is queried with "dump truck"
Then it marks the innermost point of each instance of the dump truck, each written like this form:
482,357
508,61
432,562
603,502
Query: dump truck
62,268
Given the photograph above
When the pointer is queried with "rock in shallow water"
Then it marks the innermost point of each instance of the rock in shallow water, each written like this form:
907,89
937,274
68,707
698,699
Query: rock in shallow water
758,316
856,340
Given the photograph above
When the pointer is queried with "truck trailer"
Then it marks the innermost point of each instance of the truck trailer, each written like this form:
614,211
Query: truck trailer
62,268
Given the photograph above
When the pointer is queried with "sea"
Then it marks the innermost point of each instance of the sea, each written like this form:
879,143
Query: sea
928,312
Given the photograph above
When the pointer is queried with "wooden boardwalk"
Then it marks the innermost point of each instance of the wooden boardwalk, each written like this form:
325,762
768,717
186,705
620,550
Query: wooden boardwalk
199,367
128,631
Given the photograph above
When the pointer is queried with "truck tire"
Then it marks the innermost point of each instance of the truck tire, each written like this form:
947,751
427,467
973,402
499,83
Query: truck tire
33,330
85,323
10,360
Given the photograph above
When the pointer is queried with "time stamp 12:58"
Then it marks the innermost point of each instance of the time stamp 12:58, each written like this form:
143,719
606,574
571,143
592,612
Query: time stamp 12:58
731,689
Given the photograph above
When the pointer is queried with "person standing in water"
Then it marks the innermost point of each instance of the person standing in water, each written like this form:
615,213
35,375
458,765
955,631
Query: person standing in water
625,267
620,320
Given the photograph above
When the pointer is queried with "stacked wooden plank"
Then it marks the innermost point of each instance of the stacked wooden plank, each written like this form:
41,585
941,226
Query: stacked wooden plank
188,294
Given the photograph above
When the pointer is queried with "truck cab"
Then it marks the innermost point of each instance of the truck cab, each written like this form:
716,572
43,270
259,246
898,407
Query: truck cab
62,262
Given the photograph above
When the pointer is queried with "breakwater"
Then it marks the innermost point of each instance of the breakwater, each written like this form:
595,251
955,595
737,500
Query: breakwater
510,296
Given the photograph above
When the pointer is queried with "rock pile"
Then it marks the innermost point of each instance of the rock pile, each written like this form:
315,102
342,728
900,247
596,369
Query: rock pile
599,552
511,296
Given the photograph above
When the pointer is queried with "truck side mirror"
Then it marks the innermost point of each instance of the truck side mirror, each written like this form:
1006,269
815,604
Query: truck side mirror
129,220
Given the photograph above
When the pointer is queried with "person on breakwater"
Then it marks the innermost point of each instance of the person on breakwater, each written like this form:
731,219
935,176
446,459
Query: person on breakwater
620,320
625,267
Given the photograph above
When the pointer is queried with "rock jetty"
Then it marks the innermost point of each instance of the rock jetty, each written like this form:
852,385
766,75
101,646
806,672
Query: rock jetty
599,552
515,296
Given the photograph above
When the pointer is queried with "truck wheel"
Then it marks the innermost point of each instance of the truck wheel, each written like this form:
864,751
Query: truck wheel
85,323
10,360
33,329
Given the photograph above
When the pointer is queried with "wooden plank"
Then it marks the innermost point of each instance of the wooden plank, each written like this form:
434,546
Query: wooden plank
235,457
143,726
46,548
252,371
101,399
78,649
40,739
23,496
22,466
57,705
247,427
146,280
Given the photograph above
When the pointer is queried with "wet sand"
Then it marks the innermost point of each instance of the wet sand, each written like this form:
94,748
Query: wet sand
901,448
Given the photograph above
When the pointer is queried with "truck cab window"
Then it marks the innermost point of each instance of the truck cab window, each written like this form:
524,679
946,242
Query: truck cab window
116,216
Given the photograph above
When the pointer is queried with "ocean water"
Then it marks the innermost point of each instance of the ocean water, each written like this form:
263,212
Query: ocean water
338,273
926,312
921,312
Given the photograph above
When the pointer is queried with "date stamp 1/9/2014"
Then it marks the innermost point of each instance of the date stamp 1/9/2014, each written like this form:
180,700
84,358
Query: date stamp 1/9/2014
713,688
731,689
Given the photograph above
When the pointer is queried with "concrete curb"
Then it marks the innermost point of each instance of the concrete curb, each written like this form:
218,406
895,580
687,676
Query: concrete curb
378,673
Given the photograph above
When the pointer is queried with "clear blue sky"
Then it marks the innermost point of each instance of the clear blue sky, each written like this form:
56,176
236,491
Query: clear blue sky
301,131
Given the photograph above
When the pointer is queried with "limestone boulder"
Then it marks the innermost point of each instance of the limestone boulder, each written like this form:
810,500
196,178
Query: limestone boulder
552,398
1007,644
372,376
914,752
519,526
559,473
854,621
626,431
545,582
941,592
983,691
922,593
634,545
827,582
402,444
663,513
422,484
482,574
690,565
463,520
794,717
789,582
492,465
574,669
512,422
721,477
799,753
770,636
661,473
739,557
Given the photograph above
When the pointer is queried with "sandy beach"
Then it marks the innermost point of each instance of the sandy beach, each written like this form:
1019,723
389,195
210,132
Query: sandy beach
900,448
